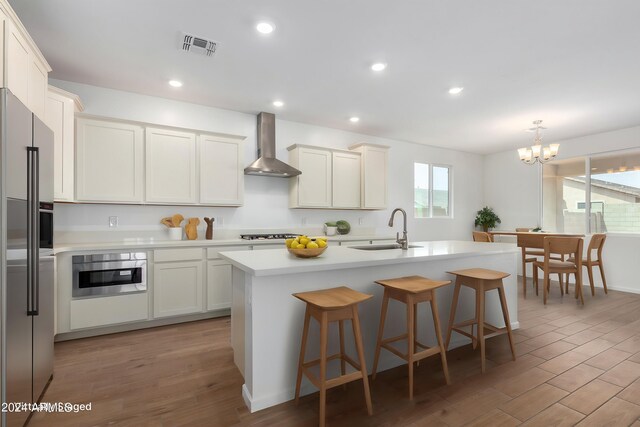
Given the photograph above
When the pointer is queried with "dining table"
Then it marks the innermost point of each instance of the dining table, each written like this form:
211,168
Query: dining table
531,243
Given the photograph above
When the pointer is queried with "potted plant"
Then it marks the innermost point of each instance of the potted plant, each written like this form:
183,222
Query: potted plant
487,218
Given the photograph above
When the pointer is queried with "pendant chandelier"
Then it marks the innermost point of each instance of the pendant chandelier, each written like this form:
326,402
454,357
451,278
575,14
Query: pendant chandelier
538,153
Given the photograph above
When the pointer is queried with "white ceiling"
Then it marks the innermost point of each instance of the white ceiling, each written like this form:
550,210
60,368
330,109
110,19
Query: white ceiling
573,63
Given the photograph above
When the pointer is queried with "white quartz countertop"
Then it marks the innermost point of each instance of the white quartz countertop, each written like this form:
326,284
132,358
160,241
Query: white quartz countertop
134,243
279,261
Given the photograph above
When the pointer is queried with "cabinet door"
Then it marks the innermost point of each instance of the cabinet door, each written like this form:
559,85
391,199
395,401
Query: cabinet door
59,117
171,166
221,172
3,26
37,85
218,285
314,184
346,180
109,161
374,176
18,62
177,288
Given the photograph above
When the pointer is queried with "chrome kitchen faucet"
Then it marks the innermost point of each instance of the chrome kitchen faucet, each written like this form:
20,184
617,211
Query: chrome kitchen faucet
404,242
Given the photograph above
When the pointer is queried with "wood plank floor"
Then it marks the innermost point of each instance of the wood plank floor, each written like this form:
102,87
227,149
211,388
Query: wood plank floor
576,366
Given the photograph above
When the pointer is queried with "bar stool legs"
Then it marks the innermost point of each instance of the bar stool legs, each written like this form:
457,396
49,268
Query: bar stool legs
482,281
411,291
332,305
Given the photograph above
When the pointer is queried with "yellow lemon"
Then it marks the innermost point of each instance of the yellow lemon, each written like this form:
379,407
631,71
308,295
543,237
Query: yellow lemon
288,242
312,245
321,243
304,240
301,246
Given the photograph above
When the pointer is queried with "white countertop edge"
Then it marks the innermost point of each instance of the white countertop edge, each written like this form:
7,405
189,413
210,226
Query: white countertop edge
147,244
306,267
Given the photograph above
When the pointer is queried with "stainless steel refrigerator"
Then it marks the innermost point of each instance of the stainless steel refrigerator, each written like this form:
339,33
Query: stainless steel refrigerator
26,255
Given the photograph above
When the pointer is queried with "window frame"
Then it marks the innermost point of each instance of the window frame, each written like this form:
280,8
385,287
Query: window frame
431,189
587,165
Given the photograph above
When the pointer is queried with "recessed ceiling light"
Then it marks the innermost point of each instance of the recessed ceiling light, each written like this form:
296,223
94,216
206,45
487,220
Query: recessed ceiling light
354,119
378,66
265,27
455,90
175,83
278,103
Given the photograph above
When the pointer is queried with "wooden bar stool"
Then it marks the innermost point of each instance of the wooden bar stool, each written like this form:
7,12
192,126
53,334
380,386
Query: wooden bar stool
332,305
411,290
482,280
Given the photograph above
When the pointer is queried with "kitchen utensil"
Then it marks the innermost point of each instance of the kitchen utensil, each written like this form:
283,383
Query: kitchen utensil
192,228
209,233
167,221
307,253
177,220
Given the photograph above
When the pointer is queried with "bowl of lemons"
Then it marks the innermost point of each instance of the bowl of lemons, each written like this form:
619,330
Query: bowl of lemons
306,247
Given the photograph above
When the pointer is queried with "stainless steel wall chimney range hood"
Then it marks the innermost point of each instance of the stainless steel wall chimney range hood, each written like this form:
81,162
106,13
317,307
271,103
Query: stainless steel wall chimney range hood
267,164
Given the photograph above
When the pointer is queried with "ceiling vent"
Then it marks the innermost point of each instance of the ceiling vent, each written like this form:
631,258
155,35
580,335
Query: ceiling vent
191,43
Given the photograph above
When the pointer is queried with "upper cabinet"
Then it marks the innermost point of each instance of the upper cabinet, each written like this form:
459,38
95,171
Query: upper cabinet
59,116
374,175
346,180
221,170
170,166
339,179
25,71
109,161
312,188
118,161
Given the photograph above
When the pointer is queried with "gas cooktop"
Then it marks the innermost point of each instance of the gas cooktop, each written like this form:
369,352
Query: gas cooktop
267,236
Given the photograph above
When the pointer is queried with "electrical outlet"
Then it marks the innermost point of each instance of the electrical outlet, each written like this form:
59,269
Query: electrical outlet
360,221
113,221
303,221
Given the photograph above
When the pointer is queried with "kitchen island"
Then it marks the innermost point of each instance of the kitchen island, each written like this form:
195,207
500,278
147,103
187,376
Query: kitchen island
266,320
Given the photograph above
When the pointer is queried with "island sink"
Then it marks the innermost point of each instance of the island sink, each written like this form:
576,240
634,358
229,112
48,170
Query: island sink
382,247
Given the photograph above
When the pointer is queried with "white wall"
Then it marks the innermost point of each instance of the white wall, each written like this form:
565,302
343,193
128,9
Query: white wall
512,189
266,199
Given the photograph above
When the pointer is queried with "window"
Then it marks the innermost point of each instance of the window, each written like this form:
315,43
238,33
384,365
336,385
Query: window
609,185
432,191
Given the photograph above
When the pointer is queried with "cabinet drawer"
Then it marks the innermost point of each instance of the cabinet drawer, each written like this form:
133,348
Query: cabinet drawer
167,255
103,311
213,253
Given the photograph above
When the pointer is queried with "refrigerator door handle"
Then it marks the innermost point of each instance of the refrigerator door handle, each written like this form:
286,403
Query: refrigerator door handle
33,239
36,235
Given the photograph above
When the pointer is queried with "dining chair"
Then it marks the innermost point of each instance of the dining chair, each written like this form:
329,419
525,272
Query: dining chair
481,236
596,244
570,246
532,245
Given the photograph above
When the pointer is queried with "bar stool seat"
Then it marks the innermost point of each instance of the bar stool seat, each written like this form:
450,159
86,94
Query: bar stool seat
332,305
481,280
411,290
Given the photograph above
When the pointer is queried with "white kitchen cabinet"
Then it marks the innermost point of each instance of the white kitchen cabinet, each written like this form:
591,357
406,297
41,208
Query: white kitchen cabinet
346,180
26,71
104,311
3,29
311,189
218,285
17,62
109,161
177,288
171,175
59,116
221,171
374,175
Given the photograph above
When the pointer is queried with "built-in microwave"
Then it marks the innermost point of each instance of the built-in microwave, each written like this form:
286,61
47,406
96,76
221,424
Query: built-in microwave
109,274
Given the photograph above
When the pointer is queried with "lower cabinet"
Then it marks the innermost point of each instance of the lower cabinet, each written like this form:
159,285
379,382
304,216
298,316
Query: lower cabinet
104,311
177,288
218,285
